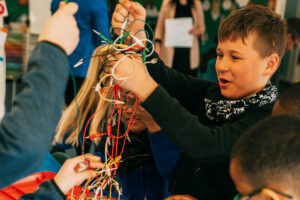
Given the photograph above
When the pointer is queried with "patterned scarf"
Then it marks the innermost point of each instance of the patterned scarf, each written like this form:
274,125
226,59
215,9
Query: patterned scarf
223,109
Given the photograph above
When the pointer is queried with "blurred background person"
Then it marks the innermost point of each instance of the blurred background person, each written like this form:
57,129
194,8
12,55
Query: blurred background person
185,60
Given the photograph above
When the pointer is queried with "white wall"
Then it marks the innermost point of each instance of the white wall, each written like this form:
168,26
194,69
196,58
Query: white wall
39,12
280,7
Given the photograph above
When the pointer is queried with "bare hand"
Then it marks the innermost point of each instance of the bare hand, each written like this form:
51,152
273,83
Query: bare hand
138,79
147,118
61,28
135,11
180,197
67,177
195,31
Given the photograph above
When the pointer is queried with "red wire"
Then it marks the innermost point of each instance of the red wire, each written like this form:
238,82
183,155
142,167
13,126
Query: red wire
83,140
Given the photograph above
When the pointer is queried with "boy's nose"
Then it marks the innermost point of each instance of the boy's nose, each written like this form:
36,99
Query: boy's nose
222,65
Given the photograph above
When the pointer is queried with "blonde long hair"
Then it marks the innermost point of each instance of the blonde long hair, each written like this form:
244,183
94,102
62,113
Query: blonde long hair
87,100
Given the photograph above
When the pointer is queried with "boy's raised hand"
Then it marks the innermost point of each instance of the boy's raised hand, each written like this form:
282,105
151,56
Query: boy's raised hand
138,79
133,11
61,28
147,118
68,177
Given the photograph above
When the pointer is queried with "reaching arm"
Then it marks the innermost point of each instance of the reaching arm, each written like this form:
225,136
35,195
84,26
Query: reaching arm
195,139
66,179
26,132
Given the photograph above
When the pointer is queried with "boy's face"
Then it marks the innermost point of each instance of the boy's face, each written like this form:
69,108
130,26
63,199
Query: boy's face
240,69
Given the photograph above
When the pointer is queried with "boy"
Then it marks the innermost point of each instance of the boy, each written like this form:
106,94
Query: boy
288,102
265,160
206,119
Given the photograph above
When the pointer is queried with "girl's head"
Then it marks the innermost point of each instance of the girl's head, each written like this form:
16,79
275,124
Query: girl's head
88,99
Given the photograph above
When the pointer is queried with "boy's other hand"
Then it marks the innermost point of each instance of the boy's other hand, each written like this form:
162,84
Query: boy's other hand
137,78
135,11
67,177
61,28
180,197
147,118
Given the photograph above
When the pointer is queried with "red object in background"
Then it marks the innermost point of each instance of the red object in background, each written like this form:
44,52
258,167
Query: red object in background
24,186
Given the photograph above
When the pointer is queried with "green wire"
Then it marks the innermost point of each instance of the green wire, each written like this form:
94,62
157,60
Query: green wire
147,34
101,36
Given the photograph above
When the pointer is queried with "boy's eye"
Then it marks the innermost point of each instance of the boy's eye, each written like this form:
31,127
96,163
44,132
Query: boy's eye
220,55
235,58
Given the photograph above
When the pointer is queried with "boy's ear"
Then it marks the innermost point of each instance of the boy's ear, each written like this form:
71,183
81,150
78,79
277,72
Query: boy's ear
268,194
272,64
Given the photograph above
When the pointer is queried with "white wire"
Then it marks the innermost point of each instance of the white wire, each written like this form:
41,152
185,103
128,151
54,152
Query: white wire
124,26
114,67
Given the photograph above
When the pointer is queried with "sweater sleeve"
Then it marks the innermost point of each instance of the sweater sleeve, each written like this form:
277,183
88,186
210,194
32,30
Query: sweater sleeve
46,191
27,131
165,153
178,85
195,139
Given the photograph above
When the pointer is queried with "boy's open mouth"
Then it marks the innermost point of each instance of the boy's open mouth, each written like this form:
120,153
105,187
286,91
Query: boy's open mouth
223,82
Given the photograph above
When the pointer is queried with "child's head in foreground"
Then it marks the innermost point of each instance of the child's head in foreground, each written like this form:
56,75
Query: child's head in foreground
289,101
250,47
265,161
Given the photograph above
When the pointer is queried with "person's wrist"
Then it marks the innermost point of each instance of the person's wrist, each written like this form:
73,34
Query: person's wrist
146,88
56,44
141,35
153,127
60,186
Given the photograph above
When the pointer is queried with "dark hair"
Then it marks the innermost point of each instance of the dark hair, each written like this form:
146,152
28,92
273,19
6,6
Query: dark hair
289,100
190,3
293,27
270,29
268,153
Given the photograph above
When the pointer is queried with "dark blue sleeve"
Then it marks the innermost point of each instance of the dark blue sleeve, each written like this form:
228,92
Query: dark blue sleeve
54,5
27,131
46,191
100,20
165,153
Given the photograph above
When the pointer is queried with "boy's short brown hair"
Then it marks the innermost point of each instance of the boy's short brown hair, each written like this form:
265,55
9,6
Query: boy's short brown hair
269,27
